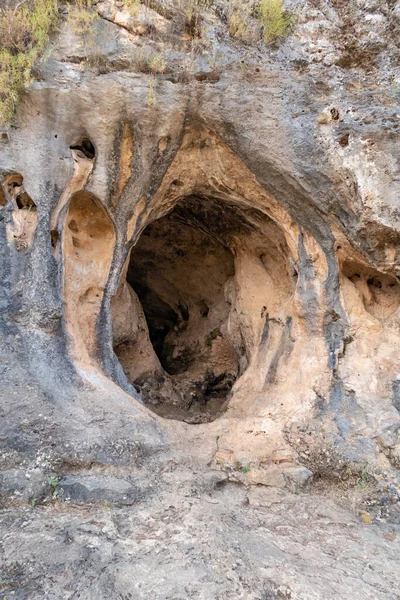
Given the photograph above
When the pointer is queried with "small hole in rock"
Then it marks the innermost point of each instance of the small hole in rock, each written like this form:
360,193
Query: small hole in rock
12,183
54,237
204,309
72,225
344,140
25,202
374,281
86,147
335,114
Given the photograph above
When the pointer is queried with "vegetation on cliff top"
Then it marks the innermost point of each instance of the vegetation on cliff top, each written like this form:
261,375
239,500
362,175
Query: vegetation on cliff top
24,33
26,28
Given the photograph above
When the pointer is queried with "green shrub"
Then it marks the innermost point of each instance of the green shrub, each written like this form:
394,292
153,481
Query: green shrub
15,75
275,19
24,34
15,31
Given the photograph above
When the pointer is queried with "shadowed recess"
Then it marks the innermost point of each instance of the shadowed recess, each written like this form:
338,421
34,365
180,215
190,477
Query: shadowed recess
179,330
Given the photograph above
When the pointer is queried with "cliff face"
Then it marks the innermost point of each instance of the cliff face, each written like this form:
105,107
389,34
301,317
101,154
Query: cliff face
200,266
213,225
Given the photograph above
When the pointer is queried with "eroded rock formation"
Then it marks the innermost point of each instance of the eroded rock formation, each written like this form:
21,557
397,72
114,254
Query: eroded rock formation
200,307
218,238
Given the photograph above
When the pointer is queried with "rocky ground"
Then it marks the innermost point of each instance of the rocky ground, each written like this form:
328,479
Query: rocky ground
196,536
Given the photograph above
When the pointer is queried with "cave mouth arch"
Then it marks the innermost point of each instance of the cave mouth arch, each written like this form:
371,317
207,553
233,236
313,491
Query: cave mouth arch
181,329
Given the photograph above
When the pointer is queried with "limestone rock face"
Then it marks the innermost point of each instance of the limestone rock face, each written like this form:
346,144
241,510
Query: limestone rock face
199,307
212,228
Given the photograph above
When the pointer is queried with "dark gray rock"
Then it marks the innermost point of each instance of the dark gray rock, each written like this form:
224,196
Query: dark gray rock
98,489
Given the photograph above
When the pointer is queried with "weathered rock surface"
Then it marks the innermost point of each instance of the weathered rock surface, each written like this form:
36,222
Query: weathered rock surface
200,546
210,228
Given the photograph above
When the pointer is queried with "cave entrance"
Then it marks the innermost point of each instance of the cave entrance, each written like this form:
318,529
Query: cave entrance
172,330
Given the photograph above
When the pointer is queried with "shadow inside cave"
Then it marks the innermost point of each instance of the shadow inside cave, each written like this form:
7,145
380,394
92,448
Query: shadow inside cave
180,330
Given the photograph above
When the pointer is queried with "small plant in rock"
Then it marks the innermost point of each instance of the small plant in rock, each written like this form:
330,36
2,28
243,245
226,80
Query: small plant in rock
276,21
158,64
151,95
81,17
53,480
145,60
245,469
239,16
192,11
237,26
363,480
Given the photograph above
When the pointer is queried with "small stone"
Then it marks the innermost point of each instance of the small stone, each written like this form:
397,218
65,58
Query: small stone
225,457
270,477
281,455
366,517
297,477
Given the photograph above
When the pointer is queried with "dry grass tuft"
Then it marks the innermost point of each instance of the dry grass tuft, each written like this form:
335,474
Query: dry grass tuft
81,17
